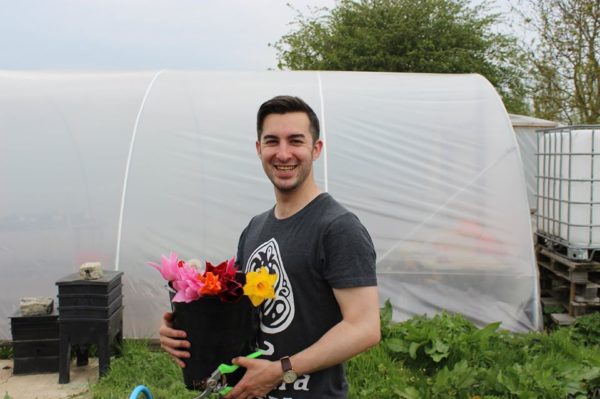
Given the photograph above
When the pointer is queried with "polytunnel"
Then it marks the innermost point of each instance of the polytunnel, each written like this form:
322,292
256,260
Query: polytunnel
121,167
526,128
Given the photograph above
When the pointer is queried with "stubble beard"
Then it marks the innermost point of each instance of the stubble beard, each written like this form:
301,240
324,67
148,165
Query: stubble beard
287,189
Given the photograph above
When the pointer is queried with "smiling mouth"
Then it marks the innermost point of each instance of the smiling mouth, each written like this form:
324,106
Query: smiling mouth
285,168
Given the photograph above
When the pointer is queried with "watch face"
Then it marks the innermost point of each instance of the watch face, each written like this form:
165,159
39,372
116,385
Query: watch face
289,376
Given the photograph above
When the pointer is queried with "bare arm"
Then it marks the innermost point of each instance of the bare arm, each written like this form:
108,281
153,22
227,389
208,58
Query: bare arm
358,331
173,341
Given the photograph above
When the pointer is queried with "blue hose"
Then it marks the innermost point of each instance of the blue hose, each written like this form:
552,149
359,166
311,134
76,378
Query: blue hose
135,394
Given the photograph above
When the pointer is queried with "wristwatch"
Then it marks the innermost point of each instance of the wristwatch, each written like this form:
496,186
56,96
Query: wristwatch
289,375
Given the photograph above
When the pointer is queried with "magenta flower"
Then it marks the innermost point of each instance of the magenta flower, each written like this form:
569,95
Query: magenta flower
188,285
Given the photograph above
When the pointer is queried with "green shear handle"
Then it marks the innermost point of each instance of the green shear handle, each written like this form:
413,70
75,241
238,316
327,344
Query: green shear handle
230,368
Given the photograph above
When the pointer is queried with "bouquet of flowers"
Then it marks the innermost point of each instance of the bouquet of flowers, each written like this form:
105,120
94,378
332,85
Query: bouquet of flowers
210,306
223,280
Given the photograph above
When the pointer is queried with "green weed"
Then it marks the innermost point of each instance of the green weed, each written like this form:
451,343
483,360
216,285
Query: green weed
586,330
5,351
447,356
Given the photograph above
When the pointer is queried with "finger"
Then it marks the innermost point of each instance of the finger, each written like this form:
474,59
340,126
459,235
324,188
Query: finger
240,393
174,346
171,332
180,355
242,361
236,393
238,361
173,338
179,362
174,343
167,319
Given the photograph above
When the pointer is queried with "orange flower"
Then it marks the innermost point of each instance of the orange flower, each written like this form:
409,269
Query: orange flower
260,286
211,284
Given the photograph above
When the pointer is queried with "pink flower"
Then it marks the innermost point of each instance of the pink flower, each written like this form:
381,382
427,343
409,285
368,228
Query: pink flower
169,268
188,285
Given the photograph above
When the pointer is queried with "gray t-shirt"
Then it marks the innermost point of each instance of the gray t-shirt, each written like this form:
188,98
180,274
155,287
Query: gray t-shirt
323,246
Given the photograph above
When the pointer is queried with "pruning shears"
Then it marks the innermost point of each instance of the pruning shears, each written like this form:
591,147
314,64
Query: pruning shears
217,382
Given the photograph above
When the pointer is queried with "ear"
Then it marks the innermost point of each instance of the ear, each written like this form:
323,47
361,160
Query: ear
317,148
258,148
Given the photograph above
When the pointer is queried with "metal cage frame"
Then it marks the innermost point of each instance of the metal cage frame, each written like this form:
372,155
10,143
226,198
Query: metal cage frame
549,191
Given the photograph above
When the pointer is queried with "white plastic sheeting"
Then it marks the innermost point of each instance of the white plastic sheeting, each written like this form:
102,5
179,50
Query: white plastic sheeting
152,162
526,128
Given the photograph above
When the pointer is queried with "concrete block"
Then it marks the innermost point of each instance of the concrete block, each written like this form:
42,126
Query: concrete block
36,306
91,271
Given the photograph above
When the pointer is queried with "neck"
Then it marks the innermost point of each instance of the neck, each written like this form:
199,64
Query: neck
289,203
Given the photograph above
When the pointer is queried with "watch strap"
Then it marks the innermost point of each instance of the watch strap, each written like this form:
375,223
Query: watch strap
286,363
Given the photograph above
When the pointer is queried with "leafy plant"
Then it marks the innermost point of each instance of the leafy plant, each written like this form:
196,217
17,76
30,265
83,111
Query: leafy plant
448,356
586,329
5,351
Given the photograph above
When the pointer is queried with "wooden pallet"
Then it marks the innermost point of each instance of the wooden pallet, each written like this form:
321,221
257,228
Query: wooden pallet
573,271
562,319
550,301
572,252
571,284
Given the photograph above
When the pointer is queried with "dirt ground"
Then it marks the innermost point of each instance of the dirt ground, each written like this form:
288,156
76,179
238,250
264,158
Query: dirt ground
46,386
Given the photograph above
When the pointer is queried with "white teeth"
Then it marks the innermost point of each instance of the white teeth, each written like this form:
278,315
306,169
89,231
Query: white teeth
285,168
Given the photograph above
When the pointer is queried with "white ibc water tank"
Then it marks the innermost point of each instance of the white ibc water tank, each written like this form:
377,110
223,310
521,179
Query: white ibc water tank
568,187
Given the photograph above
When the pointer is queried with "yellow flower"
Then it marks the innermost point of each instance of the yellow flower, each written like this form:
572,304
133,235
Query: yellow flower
259,286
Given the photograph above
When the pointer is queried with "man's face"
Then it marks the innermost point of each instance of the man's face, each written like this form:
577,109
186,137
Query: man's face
286,150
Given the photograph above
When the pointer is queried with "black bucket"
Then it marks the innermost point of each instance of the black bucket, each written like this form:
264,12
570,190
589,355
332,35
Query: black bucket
218,331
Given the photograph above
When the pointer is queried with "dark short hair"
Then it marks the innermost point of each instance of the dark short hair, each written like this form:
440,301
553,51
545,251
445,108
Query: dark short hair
284,105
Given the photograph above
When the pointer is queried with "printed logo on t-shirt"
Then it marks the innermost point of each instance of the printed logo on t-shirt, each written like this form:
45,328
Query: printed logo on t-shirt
277,313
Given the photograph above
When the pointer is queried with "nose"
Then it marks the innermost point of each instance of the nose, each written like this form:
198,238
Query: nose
283,153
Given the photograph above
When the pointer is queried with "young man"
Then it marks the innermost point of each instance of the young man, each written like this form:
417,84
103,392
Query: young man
326,308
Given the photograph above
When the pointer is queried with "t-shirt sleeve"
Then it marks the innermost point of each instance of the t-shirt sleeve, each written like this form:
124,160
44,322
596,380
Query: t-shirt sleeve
240,249
348,258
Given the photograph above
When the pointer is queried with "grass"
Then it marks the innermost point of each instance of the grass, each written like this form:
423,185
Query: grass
442,357
139,365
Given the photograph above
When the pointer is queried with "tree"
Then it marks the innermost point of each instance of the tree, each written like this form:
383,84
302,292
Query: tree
438,36
566,59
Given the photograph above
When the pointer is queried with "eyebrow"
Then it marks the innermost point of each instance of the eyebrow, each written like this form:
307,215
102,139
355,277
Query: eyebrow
290,137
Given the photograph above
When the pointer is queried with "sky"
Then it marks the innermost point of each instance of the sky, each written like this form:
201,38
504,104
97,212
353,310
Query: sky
146,34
